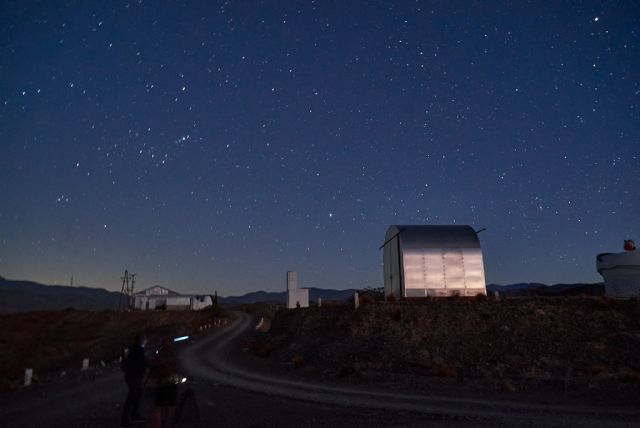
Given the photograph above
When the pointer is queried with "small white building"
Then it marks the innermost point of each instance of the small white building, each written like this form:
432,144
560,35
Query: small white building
432,260
296,297
160,298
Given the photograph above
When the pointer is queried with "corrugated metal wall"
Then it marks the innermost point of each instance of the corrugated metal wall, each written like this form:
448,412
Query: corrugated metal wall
422,261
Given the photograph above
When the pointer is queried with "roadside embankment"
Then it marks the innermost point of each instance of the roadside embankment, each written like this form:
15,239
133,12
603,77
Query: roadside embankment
54,343
576,349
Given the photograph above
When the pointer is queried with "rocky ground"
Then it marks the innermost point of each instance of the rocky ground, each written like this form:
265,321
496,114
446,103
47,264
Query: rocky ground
54,343
555,349
259,396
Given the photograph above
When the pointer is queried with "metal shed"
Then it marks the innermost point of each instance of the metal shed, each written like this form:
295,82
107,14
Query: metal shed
422,261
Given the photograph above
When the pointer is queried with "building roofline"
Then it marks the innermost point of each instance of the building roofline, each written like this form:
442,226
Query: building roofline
141,292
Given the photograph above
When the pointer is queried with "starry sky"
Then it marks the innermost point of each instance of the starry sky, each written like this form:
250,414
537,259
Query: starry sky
214,145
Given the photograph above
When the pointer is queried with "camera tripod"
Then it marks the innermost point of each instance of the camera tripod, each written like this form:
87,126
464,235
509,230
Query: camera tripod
187,401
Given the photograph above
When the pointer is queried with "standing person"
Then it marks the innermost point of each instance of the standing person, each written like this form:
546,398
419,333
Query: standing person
134,366
164,375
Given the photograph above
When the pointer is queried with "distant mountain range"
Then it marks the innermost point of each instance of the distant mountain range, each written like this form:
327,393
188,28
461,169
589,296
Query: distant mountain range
537,289
281,296
24,296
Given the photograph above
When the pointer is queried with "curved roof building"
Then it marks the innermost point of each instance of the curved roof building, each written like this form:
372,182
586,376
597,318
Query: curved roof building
423,261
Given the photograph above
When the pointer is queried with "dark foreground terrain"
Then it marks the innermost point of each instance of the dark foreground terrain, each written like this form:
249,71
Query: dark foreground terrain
230,394
446,363
54,343
96,404
553,349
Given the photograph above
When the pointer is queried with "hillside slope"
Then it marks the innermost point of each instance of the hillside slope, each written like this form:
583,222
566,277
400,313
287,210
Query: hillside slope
24,296
52,341
281,296
506,345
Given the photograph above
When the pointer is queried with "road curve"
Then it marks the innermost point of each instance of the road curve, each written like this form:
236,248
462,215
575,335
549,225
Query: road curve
207,359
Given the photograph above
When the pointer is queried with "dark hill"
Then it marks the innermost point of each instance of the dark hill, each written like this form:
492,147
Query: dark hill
281,296
25,296
537,289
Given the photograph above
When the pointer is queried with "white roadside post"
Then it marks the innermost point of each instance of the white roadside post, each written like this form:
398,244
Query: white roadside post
85,364
356,300
260,324
28,376
319,302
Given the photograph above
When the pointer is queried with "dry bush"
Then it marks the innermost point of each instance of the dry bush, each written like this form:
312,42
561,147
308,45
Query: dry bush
297,361
629,375
597,369
391,298
534,373
366,299
396,314
508,386
261,349
444,371
345,370
333,303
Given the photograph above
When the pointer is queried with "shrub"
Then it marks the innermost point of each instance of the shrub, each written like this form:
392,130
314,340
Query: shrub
597,369
366,299
297,361
508,386
444,371
628,375
345,370
376,294
261,349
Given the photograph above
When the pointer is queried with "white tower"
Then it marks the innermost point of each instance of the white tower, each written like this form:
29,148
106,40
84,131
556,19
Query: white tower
292,280
296,297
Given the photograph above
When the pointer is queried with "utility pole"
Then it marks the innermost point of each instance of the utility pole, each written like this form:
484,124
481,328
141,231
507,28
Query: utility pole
127,290
133,281
125,287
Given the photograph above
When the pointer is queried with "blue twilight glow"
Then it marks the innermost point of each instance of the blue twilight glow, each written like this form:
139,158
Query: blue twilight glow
215,145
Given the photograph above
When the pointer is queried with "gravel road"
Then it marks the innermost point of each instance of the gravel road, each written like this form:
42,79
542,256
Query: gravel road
210,359
230,396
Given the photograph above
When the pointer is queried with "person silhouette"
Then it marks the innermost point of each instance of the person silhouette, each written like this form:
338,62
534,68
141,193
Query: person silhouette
134,366
165,378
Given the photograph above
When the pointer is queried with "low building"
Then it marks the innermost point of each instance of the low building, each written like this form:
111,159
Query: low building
430,261
160,298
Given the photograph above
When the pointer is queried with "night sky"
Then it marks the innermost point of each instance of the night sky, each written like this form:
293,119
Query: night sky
215,145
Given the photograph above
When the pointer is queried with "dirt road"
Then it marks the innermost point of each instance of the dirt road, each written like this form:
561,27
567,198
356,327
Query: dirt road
210,359
230,396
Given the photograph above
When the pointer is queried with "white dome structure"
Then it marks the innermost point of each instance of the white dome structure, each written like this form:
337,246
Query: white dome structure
621,273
